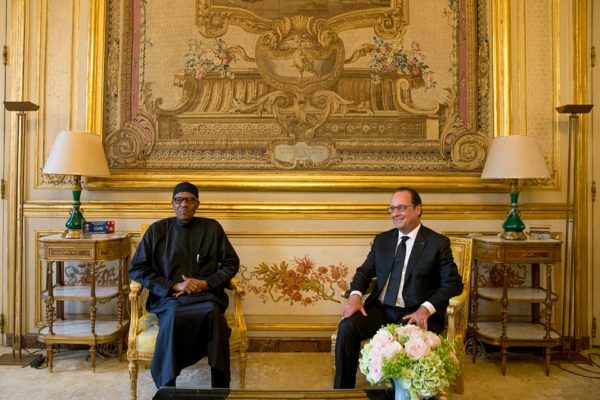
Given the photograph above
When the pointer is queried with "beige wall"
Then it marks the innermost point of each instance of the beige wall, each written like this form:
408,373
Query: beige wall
533,72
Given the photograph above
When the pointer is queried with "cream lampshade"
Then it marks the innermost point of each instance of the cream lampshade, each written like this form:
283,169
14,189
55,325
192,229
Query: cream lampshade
515,157
78,154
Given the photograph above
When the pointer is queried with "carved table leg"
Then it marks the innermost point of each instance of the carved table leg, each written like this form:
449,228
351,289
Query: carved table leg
120,344
474,310
93,356
504,351
548,360
50,353
93,316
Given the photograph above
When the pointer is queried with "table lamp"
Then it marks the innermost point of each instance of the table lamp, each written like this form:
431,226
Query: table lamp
78,154
514,157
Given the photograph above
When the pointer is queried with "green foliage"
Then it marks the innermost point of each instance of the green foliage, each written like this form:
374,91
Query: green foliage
422,362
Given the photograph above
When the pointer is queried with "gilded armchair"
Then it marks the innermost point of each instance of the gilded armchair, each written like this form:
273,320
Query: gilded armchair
143,330
458,309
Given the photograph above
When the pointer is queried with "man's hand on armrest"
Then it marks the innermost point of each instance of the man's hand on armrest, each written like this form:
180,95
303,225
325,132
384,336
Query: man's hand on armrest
353,304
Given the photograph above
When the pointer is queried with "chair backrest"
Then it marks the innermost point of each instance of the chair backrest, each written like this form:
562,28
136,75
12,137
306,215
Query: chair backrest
462,251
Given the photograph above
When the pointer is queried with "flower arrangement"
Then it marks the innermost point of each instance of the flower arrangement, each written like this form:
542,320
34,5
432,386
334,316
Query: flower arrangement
203,58
392,56
424,363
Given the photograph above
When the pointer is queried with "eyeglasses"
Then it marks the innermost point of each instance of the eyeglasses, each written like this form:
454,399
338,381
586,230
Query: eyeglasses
401,208
180,200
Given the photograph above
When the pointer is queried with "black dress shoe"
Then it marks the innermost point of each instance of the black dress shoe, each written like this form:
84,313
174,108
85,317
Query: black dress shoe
218,379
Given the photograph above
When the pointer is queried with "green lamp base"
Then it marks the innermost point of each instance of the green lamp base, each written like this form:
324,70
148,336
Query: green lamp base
513,226
76,220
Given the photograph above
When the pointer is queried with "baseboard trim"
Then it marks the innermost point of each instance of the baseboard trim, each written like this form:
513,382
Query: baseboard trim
289,344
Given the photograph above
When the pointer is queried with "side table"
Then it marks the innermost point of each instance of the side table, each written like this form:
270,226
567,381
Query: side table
54,251
506,333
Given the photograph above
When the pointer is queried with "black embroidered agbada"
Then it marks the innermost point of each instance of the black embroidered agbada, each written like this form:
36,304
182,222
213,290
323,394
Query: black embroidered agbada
190,326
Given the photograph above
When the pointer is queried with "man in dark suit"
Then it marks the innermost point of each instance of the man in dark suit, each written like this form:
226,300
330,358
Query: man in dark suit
416,277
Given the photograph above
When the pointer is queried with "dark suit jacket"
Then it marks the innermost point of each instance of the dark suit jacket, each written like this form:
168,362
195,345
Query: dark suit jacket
431,273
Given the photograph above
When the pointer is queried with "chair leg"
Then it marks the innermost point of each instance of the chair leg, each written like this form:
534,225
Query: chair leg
242,358
333,340
133,375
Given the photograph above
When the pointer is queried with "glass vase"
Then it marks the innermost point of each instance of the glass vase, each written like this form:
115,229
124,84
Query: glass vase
399,392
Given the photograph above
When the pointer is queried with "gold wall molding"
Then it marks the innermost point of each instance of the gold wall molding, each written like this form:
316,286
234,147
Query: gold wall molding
273,210
501,62
291,327
96,50
295,182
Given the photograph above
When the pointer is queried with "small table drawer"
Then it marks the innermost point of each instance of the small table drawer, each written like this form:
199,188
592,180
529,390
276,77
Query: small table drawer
58,253
530,254
527,251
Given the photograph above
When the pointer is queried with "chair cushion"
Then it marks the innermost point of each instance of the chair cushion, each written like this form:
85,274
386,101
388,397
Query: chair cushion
146,333
148,330
148,320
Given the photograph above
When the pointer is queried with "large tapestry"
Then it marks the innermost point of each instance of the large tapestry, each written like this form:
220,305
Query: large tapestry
334,87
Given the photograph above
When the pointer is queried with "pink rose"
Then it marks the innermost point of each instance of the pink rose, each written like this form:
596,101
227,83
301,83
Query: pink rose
416,348
390,349
412,331
432,340
376,351
382,337
375,370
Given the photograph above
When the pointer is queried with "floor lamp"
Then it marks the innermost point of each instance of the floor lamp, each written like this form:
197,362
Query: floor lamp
21,107
569,275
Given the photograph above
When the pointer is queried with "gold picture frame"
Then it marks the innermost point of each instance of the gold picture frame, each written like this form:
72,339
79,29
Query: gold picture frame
310,129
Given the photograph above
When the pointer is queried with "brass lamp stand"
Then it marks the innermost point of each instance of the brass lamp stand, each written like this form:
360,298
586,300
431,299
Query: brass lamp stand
17,180
569,271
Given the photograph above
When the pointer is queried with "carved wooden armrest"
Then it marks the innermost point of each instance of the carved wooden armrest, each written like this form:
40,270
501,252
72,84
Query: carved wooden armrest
457,303
135,288
134,301
238,292
457,306
234,286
